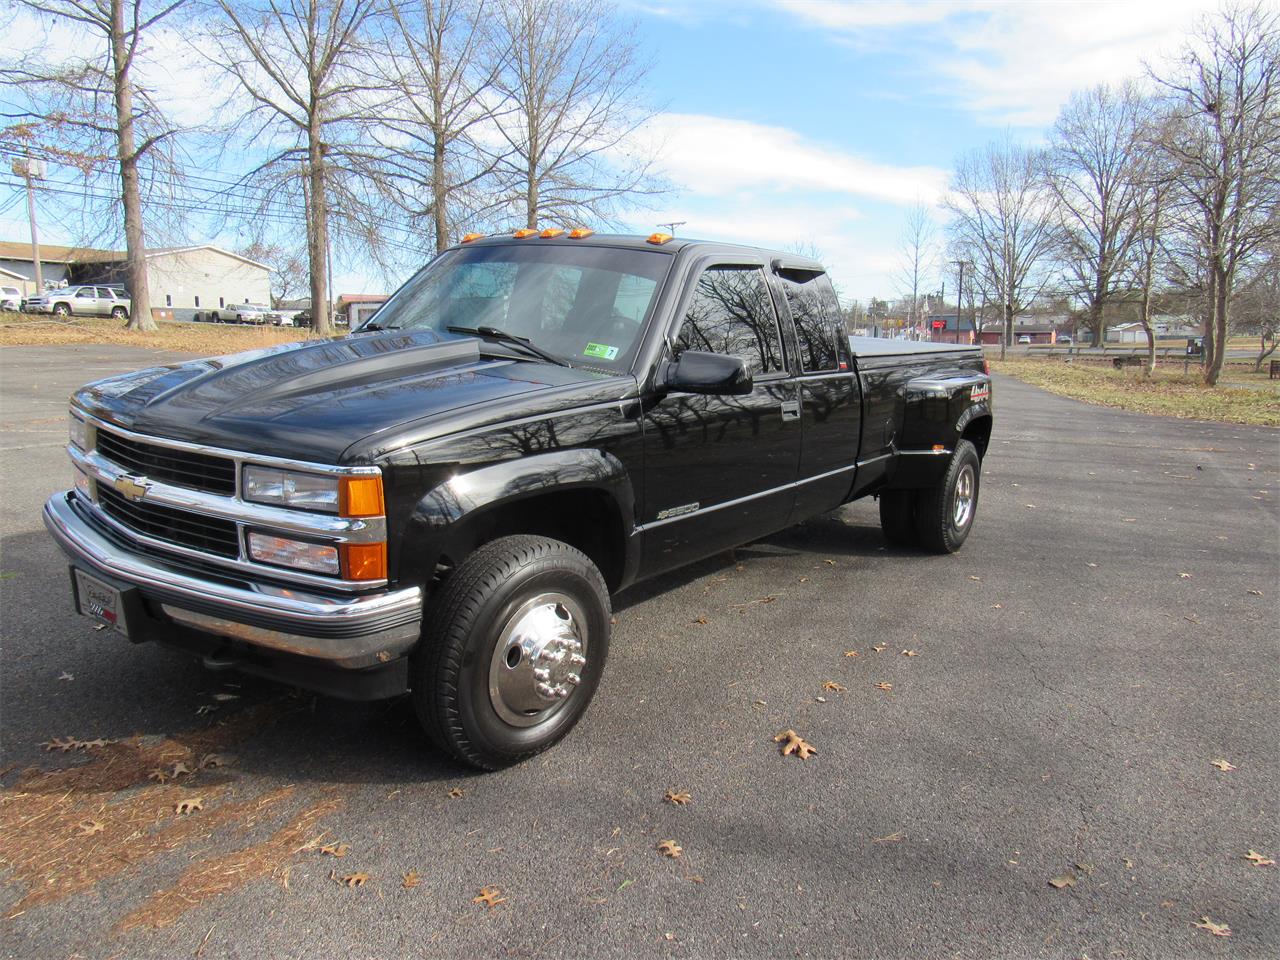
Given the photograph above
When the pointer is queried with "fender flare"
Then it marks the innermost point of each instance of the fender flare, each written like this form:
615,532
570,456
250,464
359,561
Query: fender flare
440,521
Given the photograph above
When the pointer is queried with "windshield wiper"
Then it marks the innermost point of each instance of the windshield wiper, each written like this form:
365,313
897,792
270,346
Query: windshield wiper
376,327
501,336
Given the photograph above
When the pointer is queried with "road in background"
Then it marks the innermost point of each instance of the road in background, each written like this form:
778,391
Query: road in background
1108,630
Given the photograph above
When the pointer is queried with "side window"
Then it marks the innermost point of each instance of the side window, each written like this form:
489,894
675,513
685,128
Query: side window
815,325
731,313
86,293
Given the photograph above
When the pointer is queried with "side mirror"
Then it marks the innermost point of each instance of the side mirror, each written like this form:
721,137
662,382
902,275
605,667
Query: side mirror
708,373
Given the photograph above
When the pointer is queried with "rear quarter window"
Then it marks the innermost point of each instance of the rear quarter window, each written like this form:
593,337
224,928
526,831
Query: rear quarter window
816,313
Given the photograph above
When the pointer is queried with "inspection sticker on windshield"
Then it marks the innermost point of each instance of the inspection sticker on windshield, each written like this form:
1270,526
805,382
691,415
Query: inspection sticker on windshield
601,351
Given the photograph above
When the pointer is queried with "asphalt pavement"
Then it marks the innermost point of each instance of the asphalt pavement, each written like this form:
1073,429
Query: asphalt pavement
1108,631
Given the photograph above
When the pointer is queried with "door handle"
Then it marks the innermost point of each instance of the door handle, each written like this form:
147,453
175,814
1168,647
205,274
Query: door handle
791,410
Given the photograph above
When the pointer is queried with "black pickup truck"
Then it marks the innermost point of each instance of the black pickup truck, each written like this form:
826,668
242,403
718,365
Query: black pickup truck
442,501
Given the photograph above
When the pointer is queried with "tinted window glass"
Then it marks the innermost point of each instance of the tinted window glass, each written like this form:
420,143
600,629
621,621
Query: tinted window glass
86,293
583,303
731,313
815,326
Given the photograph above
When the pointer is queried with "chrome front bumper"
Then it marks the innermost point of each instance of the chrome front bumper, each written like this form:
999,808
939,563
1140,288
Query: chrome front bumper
352,631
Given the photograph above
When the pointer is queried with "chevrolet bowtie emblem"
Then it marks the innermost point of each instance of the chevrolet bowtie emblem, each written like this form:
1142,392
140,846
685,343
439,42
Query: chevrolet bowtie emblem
131,488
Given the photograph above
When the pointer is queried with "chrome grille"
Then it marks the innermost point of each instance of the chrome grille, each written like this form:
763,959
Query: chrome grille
179,527
184,468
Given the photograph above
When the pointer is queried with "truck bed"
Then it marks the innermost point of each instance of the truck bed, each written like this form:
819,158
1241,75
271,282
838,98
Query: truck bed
883,347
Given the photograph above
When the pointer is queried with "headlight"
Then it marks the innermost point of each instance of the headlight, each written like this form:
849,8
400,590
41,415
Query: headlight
285,488
283,552
78,431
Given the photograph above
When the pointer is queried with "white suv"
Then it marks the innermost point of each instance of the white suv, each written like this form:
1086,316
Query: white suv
10,298
95,301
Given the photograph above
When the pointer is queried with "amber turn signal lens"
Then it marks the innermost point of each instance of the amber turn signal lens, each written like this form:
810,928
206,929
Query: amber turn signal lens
471,237
526,232
659,238
360,497
364,561
550,232
580,233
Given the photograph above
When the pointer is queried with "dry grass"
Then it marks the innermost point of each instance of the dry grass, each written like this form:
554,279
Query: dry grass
205,339
63,831
1169,392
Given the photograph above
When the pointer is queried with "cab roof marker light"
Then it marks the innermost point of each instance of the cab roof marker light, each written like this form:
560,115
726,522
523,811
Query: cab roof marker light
580,233
550,233
472,237
658,239
525,233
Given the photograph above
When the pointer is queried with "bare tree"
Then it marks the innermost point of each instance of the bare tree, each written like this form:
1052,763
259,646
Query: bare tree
1256,309
1223,94
93,113
1095,150
441,62
572,88
1150,217
918,256
286,267
300,65
1003,219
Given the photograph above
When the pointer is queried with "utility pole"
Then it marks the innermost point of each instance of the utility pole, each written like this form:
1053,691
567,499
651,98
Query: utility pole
672,224
31,170
959,295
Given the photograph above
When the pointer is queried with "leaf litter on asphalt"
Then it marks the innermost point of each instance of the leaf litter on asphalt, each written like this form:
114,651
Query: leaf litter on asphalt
1258,860
1217,929
793,743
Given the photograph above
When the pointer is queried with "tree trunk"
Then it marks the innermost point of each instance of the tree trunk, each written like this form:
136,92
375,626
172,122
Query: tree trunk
1264,351
439,191
318,235
135,242
1151,334
1213,371
531,199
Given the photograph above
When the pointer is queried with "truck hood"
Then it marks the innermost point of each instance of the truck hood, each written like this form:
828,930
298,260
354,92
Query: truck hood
313,400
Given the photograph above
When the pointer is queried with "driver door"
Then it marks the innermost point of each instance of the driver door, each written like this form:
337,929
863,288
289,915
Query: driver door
720,470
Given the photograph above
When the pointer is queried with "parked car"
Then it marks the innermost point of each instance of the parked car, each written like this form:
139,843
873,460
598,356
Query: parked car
254,313
1024,338
1066,340
10,298
98,300
441,503
302,318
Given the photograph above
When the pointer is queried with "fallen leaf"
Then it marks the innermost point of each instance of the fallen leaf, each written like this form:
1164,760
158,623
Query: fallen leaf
1255,593
1222,764
179,769
158,775
336,849
1128,864
210,760
354,880
1091,565
1129,520
64,744
701,620
1066,880
205,709
997,606
1217,929
1029,506
894,837
1184,576
189,806
804,580
972,577
851,653
410,880
490,897
832,687
880,647
224,697
89,827
1258,859
66,676
768,599
669,848
456,793
830,563
884,686
796,744
910,653
678,797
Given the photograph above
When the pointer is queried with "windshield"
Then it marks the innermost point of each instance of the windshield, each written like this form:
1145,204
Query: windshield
585,304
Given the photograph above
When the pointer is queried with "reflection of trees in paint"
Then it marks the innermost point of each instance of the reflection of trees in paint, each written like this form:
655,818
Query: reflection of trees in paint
731,313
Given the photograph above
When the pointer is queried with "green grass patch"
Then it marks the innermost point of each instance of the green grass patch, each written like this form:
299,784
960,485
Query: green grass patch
1168,393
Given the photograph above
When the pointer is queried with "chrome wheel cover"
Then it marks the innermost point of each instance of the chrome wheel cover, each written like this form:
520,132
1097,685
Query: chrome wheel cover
966,493
538,659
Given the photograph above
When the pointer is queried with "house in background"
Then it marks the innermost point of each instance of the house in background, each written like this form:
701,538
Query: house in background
181,280
356,308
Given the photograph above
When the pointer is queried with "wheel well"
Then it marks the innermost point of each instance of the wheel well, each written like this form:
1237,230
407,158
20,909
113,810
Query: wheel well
586,519
978,432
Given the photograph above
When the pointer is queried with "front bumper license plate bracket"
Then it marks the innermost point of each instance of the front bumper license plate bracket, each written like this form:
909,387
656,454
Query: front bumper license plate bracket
99,601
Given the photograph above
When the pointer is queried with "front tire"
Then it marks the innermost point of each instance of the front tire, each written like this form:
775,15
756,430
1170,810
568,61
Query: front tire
512,652
61,310
944,514
119,313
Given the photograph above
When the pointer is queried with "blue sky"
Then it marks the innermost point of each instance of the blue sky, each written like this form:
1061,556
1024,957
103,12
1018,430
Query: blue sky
817,124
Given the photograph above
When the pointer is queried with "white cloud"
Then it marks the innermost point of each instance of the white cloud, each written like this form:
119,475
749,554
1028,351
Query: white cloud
1012,63
717,156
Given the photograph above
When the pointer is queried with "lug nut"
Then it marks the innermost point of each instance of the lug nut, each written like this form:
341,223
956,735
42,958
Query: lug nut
541,673
547,690
577,659
572,678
